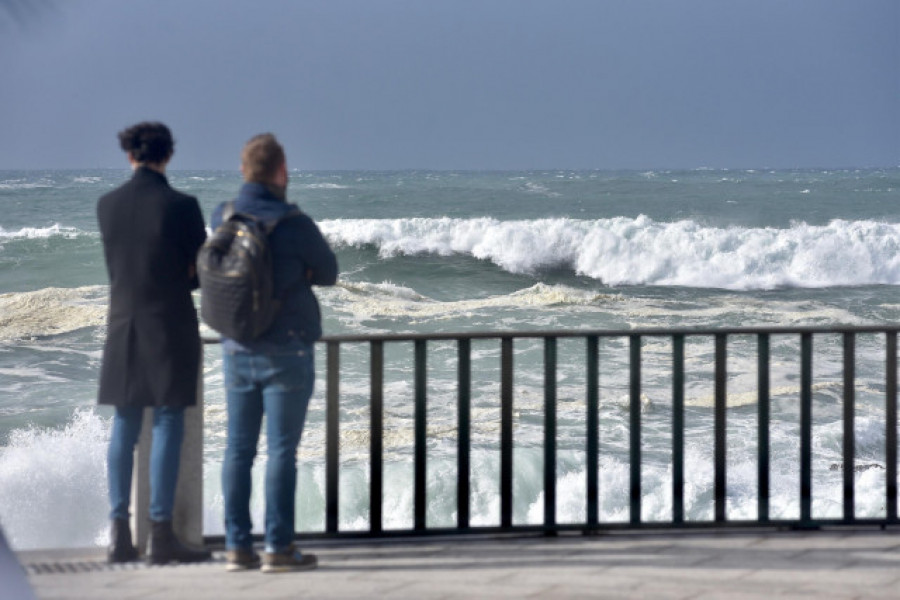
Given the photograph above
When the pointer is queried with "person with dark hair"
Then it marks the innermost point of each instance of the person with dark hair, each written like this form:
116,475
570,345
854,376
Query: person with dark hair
272,374
151,358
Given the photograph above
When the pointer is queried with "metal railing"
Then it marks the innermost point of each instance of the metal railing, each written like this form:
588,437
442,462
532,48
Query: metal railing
591,521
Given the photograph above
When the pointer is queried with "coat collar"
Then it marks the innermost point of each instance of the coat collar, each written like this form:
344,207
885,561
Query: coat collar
258,191
145,174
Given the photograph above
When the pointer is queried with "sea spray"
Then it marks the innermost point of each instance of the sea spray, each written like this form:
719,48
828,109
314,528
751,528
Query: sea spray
53,489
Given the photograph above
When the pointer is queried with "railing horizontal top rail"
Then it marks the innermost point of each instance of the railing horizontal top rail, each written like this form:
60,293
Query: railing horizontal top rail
576,333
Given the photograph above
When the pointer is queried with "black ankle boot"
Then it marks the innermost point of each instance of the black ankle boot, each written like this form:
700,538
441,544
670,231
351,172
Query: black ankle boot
120,547
164,547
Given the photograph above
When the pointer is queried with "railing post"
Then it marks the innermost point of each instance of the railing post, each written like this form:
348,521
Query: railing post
506,432
890,412
849,449
464,375
635,425
762,463
420,467
376,439
721,478
678,428
806,348
332,437
593,429
549,433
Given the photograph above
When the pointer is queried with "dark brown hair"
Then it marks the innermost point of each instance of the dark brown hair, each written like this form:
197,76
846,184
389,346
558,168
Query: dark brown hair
148,142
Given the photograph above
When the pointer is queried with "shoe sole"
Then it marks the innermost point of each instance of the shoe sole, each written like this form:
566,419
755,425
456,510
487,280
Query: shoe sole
234,568
271,569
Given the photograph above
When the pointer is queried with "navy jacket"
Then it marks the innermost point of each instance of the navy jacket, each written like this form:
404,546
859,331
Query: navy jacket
301,258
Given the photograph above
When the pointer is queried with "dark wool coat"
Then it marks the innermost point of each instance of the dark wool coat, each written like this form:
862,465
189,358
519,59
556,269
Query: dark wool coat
151,234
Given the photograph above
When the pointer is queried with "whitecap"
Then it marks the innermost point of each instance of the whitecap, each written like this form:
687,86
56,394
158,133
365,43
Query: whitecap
640,251
31,233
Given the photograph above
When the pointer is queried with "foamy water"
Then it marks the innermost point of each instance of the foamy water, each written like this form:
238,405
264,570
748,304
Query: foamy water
450,252
622,251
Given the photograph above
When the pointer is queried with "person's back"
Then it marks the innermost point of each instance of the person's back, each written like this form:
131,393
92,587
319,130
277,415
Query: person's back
147,245
151,357
301,258
273,374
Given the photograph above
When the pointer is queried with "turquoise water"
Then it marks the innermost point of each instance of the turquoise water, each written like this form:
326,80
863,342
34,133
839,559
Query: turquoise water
470,251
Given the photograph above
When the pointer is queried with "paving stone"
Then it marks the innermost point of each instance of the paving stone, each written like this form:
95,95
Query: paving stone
765,565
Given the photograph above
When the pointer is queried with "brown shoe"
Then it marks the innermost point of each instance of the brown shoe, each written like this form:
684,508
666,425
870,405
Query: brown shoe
288,561
241,559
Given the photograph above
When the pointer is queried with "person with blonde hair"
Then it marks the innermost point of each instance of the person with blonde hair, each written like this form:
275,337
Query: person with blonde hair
273,374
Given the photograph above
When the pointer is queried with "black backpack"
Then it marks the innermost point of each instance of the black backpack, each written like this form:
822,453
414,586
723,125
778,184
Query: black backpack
234,265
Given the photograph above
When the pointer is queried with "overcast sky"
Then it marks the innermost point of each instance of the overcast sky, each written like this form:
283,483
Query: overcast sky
456,84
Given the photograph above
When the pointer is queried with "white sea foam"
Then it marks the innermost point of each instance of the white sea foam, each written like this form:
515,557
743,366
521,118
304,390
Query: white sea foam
641,251
61,473
51,311
387,300
323,186
53,484
22,184
31,233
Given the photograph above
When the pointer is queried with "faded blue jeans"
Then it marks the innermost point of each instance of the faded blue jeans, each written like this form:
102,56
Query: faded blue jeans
165,456
279,385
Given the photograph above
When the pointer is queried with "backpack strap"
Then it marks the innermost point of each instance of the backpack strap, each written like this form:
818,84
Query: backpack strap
268,225
228,210
293,211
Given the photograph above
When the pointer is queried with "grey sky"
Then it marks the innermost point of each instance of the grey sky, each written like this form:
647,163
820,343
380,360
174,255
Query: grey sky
458,84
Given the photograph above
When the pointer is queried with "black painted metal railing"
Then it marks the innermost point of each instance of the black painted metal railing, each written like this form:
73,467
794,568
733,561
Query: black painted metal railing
592,521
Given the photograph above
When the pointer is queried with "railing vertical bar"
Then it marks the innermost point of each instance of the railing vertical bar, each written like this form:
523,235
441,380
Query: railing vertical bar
678,428
806,349
721,349
549,432
332,436
635,425
376,440
849,417
420,498
506,431
464,366
593,428
762,463
890,435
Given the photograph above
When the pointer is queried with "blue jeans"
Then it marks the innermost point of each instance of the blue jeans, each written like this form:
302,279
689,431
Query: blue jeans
279,385
165,455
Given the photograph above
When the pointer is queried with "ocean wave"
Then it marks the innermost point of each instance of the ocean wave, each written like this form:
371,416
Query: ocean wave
22,184
51,311
322,186
641,251
387,300
31,233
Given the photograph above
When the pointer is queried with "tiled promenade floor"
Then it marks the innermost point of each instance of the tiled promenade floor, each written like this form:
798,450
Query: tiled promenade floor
731,565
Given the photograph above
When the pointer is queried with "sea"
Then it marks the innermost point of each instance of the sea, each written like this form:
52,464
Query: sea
447,251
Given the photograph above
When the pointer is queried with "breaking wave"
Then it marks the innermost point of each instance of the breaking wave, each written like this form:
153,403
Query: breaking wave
641,251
